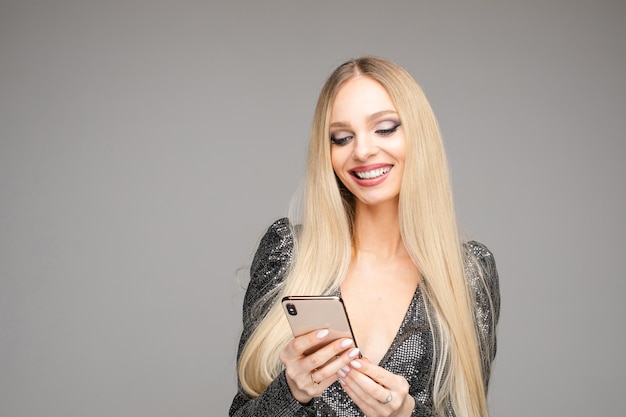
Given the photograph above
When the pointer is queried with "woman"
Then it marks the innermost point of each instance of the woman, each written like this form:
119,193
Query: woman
379,229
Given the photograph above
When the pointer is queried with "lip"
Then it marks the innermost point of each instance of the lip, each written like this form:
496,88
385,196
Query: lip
370,182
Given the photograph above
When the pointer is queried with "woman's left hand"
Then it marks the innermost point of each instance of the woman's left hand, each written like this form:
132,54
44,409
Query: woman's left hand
376,391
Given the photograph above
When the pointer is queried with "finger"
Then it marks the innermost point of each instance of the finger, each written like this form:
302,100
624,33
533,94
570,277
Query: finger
367,389
298,368
373,377
360,397
328,361
329,352
307,341
375,390
321,378
376,373
321,365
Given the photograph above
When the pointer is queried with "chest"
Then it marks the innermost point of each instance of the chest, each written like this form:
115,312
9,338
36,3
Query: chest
377,303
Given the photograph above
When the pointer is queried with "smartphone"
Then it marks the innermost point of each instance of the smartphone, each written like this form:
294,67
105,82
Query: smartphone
306,313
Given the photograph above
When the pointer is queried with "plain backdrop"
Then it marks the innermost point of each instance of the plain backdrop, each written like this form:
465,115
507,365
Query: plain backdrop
145,146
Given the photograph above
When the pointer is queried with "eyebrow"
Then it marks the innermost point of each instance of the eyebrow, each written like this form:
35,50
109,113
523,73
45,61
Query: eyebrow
369,118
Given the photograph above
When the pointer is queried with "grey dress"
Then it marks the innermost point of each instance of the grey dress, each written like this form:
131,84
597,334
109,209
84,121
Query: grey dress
410,354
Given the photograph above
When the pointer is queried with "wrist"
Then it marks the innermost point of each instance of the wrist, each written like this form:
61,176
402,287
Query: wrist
297,394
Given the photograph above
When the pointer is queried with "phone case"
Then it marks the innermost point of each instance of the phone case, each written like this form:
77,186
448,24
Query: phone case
308,313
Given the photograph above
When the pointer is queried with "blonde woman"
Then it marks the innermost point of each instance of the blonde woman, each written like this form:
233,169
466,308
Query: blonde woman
379,230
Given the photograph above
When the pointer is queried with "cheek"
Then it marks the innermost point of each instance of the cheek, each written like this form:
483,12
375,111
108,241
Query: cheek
400,150
337,158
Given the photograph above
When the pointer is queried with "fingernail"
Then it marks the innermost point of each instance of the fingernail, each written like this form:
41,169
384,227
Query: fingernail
356,364
342,382
322,334
346,343
346,369
341,373
354,352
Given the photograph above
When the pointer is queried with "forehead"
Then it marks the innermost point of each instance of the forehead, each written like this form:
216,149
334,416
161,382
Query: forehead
360,96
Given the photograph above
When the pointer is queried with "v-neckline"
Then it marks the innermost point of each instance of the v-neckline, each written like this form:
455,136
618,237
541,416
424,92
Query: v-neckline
412,305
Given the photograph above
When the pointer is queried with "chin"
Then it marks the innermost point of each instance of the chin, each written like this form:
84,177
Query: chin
376,201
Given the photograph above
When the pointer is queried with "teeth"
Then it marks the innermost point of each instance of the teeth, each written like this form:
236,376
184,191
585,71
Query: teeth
367,175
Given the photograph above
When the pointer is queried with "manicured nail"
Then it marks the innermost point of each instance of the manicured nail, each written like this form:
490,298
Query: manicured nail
322,334
346,343
342,382
346,369
354,352
356,364
341,373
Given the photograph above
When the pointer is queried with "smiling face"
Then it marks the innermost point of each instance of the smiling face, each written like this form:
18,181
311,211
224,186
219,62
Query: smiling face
368,145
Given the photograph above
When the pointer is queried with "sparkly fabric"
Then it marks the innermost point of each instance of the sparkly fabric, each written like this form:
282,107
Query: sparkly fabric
410,354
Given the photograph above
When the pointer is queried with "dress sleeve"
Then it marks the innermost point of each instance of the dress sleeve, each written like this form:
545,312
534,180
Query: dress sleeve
421,410
483,279
267,272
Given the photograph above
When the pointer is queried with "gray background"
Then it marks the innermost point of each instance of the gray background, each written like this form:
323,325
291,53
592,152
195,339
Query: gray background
146,145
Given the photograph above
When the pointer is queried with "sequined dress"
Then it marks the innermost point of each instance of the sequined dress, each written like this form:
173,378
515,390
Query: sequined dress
410,354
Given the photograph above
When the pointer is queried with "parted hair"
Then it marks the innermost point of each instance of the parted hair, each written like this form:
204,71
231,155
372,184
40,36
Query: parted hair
428,226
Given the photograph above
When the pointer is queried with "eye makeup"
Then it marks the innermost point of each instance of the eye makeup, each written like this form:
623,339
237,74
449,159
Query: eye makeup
387,128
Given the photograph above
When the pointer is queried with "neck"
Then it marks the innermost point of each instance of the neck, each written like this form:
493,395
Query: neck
377,230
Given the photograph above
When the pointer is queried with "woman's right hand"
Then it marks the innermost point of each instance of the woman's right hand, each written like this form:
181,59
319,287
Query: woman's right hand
309,375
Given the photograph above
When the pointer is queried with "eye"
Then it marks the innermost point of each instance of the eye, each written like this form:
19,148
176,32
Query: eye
388,130
341,140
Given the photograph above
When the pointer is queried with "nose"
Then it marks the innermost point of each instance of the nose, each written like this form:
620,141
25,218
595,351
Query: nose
364,147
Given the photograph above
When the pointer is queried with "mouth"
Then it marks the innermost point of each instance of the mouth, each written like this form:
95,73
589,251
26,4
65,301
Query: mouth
372,174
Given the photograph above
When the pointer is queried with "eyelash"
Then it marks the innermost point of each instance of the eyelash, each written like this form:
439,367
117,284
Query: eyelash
340,141
346,139
387,132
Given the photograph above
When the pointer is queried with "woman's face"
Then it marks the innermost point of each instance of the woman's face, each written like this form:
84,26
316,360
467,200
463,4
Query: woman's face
368,146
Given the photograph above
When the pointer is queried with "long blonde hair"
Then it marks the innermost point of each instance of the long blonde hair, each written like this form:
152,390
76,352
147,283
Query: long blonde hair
428,227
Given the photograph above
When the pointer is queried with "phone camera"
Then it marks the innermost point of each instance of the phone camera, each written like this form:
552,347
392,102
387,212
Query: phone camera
291,309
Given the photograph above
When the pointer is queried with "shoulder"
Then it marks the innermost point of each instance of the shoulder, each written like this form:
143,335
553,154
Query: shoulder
482,274
478,250
270,265
281,227
276,246
478,254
